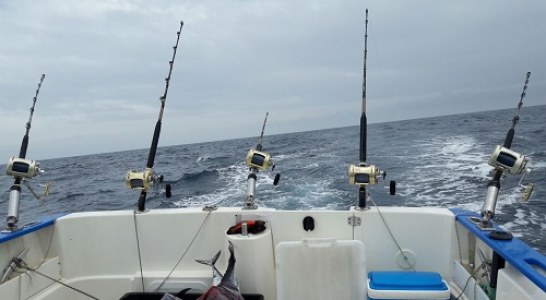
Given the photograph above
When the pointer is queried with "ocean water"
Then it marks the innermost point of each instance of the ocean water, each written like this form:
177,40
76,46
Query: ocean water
439,161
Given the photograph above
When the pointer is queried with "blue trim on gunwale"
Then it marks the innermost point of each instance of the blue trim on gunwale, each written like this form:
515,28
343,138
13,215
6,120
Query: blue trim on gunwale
31,227
514,251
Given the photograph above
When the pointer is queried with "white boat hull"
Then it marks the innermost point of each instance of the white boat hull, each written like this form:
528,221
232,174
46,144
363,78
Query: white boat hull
101,253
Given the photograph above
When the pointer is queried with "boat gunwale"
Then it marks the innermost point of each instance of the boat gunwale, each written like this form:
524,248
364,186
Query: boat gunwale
515,251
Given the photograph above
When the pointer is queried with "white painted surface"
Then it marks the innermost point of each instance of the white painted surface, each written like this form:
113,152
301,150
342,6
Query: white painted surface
98,252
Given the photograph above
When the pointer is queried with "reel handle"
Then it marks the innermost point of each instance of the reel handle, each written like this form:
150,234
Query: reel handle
277,178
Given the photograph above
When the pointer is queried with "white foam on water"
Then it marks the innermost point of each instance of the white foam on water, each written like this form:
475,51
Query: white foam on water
202,158
455,171
536,165
289,156
234,175
471,206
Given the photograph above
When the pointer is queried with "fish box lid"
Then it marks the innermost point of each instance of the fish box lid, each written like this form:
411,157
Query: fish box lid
320,269
407,285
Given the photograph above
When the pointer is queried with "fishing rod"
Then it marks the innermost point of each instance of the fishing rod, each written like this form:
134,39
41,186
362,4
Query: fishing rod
260,141
363,117
363,175
257,160
505,160
21,168
146,179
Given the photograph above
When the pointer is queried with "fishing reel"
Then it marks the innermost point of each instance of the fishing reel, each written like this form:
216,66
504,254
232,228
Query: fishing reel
370,175
259,160
363,176
514,163
504,159
22,168
142,180
145,180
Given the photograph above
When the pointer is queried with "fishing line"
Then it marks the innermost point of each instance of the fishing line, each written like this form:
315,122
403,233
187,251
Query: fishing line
23,265
458,240
406,258
187,249
138,251
39,198
49,244
281,127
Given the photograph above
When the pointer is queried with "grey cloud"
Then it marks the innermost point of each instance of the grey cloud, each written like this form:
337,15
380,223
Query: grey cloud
300,60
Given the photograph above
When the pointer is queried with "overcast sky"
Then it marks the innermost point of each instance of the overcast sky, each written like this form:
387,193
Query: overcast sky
105,64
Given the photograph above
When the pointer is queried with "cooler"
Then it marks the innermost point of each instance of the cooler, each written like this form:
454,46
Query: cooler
407,285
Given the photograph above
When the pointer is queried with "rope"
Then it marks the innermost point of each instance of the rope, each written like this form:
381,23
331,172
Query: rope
186,251
468,280
23,265
483,265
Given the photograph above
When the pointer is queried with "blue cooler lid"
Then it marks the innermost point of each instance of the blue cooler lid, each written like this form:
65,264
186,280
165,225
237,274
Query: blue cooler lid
395,280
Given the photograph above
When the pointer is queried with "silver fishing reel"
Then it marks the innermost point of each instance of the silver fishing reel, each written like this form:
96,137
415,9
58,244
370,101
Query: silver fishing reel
22,168
258,159
363,176
508,160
